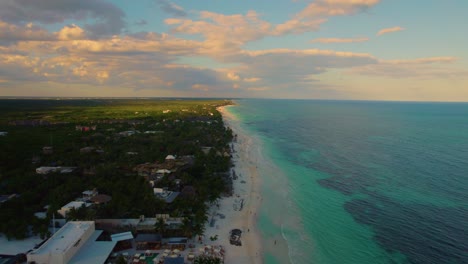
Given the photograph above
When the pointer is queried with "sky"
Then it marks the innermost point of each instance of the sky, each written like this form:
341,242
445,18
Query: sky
319,49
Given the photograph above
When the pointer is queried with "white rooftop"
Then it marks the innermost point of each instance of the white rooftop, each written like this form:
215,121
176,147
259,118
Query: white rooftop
93,251
66,237
74,204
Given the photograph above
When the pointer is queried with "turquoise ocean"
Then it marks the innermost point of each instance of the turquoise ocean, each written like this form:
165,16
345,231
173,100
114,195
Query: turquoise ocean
360,182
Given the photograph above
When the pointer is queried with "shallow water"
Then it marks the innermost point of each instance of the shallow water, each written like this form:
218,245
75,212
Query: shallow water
361,182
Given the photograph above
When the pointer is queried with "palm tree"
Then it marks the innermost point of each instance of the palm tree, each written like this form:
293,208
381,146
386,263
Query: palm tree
160,225
187,227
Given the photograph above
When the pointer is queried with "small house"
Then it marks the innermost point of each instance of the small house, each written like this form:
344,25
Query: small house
88,194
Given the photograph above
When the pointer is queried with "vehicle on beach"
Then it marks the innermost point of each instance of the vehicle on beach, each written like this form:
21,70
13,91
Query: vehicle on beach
235,235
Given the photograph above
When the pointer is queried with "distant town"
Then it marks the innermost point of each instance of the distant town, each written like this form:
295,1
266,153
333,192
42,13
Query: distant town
112,181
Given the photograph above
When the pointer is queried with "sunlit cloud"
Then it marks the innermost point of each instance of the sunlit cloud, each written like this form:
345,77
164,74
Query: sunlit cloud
196,52
389,30
339,40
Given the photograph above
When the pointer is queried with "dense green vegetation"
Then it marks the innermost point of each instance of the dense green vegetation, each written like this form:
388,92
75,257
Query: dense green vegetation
188,126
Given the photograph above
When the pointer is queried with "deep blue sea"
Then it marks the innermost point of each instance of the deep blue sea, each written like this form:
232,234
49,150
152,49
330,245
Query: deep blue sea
361,182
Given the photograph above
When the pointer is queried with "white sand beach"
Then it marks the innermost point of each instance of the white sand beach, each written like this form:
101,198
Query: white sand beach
246,192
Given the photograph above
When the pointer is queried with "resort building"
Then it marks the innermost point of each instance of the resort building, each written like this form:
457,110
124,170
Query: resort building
75,204
74,243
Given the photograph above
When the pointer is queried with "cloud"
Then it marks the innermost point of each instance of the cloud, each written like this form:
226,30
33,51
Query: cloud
389,30
252,79
226,34
339,40
10,33
282,69
148,62
107,18
233,76
171,8
316,13
71,32
429,60
323,8
421,68
223,34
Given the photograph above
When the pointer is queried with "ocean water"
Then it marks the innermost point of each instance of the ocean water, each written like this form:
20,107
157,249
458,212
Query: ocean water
361,182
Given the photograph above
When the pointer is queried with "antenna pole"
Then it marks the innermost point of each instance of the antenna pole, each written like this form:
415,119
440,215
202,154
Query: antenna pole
53,223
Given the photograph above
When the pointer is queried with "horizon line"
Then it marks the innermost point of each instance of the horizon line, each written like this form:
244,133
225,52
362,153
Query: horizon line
208,98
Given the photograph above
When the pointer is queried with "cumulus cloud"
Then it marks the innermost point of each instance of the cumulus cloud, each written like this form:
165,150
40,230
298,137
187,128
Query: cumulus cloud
107,17
339,40
171,8
222,33
151,61
71,32
389,30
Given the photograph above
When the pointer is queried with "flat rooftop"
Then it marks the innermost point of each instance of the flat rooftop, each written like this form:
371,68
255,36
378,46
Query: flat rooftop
65,238
74,204
94,251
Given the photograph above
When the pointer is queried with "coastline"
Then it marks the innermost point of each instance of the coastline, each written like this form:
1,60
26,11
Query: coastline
246,191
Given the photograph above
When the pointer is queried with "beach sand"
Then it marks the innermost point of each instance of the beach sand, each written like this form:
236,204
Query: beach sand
246,189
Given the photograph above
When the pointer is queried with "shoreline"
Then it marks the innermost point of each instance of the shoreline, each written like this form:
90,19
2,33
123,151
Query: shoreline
246,192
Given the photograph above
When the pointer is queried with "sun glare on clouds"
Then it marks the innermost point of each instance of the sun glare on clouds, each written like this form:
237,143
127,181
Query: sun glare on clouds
203,52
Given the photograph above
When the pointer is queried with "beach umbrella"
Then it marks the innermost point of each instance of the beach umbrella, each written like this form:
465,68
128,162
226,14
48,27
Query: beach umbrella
147,252
167,251
164,254
173,256
176,250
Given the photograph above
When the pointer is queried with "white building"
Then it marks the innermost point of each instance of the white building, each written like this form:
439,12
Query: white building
74,243
47,170
170,157
75,204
